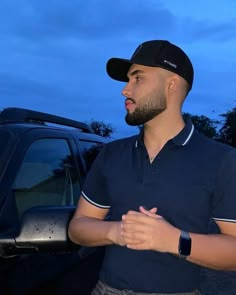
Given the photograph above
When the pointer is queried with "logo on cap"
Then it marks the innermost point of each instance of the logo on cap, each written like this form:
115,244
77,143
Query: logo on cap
170,64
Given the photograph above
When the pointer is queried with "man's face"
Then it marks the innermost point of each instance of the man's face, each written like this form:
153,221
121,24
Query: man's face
145,98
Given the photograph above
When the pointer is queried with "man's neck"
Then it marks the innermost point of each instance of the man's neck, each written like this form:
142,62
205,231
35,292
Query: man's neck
160,130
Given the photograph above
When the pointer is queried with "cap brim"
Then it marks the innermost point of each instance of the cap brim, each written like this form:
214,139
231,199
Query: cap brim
117,68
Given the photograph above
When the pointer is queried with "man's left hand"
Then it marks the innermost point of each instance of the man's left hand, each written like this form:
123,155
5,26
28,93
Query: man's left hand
146,230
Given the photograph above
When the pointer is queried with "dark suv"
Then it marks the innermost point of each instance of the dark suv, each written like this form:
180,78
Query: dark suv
43,162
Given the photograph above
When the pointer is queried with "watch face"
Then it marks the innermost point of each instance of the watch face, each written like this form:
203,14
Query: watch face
184,246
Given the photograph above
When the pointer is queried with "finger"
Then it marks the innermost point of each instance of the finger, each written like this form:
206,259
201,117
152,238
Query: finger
131,212
134,228
142,245
125,226
143,217
153,210
132,216
135,219
130,238
149,212
146,211
133,238
137,246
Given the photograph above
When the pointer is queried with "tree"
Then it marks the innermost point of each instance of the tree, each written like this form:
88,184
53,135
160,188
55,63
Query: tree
203,124
101,128
227,133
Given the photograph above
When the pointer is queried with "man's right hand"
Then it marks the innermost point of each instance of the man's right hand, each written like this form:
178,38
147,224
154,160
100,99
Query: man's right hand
116,229
115,233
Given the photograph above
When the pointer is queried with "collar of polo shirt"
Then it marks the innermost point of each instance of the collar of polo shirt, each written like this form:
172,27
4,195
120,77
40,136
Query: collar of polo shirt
180,139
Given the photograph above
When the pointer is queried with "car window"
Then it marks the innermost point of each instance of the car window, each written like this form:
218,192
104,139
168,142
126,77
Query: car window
89,151
47,176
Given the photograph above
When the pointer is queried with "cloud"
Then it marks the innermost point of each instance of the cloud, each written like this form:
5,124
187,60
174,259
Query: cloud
207,30
54,52
95,20
89,19
25,88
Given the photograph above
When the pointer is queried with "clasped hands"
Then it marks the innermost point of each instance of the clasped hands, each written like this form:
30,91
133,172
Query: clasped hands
146,230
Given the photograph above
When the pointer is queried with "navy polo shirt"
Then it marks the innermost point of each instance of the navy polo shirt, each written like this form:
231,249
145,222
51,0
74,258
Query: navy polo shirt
191,181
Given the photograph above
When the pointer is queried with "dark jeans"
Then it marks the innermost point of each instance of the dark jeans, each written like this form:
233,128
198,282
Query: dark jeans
103,289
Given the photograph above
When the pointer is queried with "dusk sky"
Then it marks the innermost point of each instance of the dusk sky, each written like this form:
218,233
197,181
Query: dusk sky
53,53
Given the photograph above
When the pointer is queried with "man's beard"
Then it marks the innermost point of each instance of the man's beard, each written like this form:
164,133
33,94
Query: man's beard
145,113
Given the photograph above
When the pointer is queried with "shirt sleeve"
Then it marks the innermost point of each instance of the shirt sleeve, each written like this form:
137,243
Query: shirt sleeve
94,189
224,202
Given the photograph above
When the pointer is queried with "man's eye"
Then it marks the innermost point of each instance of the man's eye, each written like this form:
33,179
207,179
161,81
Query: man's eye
138,78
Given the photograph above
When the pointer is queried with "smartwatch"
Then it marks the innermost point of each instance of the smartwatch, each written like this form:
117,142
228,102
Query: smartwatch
184,244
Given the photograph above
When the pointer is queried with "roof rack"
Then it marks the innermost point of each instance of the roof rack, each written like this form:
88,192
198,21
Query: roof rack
19,115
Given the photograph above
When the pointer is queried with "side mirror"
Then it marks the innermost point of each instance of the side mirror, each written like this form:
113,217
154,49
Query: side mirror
42,230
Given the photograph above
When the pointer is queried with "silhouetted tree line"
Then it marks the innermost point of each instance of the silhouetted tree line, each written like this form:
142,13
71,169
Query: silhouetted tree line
223,131
101,128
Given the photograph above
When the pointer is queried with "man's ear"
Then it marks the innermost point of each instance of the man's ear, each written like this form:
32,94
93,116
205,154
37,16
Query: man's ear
173,83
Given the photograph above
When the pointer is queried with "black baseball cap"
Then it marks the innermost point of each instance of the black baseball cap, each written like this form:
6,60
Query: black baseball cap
155,53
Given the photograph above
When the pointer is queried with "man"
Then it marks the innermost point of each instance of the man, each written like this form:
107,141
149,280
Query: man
161,188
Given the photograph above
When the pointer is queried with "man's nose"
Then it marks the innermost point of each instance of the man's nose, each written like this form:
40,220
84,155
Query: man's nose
126,90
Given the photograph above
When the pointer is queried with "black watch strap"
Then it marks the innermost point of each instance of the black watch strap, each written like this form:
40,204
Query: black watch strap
185,244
